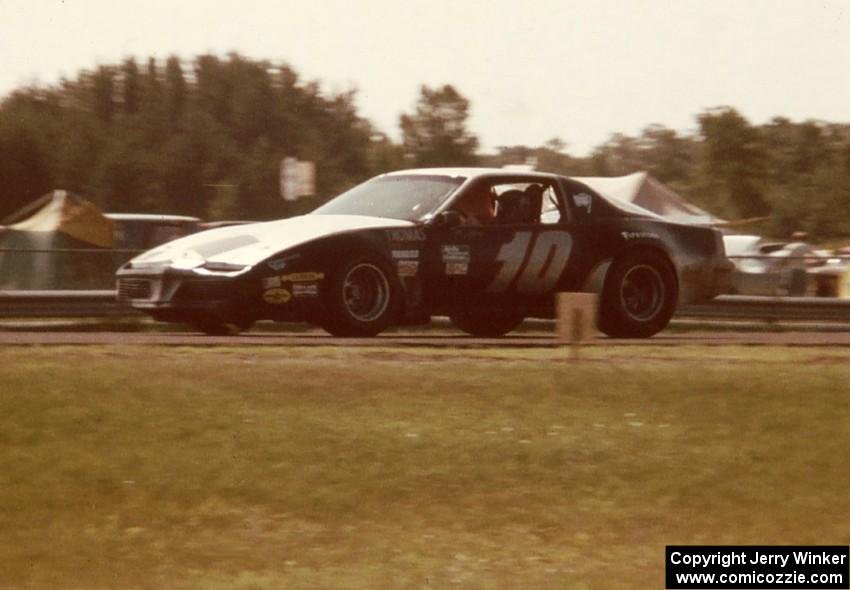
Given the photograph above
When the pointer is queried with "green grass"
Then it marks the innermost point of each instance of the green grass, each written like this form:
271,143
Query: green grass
163,467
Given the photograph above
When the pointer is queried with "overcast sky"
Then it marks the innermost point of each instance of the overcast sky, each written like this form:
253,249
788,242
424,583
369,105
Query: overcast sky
577,69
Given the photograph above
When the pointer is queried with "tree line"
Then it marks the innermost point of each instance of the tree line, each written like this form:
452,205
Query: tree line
206,138
785,176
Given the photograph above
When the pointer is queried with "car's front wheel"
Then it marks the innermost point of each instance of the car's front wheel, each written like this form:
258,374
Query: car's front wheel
363,298
486,323
639,297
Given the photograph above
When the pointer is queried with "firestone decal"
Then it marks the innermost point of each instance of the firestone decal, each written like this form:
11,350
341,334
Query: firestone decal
638,235
277,296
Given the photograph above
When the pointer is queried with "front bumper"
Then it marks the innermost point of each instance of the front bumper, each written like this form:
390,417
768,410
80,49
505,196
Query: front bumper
171,289
179,295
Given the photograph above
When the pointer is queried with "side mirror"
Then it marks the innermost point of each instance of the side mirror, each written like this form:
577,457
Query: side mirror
448,218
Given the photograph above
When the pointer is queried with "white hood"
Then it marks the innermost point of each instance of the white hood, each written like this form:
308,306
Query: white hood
253,243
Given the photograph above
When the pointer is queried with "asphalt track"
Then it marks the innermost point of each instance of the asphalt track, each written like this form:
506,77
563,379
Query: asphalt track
286,339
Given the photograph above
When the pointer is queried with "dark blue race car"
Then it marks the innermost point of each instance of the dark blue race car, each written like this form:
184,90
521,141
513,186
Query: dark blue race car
485,247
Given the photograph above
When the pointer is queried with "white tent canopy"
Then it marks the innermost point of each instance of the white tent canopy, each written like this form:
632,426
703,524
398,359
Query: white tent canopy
60,211
643,190
59,241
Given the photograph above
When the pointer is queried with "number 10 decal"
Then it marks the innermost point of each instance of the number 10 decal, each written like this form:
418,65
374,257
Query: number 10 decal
544,257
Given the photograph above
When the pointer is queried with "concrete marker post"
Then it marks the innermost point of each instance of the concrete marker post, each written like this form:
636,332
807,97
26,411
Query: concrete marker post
576,325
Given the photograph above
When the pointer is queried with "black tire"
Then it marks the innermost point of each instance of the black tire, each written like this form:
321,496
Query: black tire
639,297
215,326
486,323
363,297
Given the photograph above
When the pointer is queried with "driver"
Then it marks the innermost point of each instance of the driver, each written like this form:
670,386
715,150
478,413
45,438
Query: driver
478,206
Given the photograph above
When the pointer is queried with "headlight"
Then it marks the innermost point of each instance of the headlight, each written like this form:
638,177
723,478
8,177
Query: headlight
222,266
188,260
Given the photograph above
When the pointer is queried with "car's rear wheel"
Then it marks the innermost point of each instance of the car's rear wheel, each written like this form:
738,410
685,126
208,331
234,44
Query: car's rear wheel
363,297
639,297
486,323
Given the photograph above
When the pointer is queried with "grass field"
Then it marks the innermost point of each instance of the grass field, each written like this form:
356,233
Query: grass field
214,468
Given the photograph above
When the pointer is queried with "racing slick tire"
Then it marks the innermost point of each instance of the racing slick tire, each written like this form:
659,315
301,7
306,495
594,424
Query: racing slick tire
639,296
486,323
363,298
215,326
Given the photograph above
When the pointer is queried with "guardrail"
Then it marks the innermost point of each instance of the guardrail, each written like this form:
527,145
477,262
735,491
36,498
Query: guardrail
770,309
65,304
61,269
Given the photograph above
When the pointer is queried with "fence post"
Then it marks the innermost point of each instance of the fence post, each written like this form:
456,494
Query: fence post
576,313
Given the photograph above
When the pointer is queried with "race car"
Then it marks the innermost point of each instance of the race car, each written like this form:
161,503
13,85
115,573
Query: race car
485,247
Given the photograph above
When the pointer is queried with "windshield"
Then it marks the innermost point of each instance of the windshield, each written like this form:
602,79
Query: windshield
412,197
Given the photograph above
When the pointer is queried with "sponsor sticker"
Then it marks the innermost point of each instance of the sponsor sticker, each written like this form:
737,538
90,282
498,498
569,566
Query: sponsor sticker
277,296
583,201
408,268
456,253
407,234
639,235
280,263
405,254
305,290
457,268
302,277
271,282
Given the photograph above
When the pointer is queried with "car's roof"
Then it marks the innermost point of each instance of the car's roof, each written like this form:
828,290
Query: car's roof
471,172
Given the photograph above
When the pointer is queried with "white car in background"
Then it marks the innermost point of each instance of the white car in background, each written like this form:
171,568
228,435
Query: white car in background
772,268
